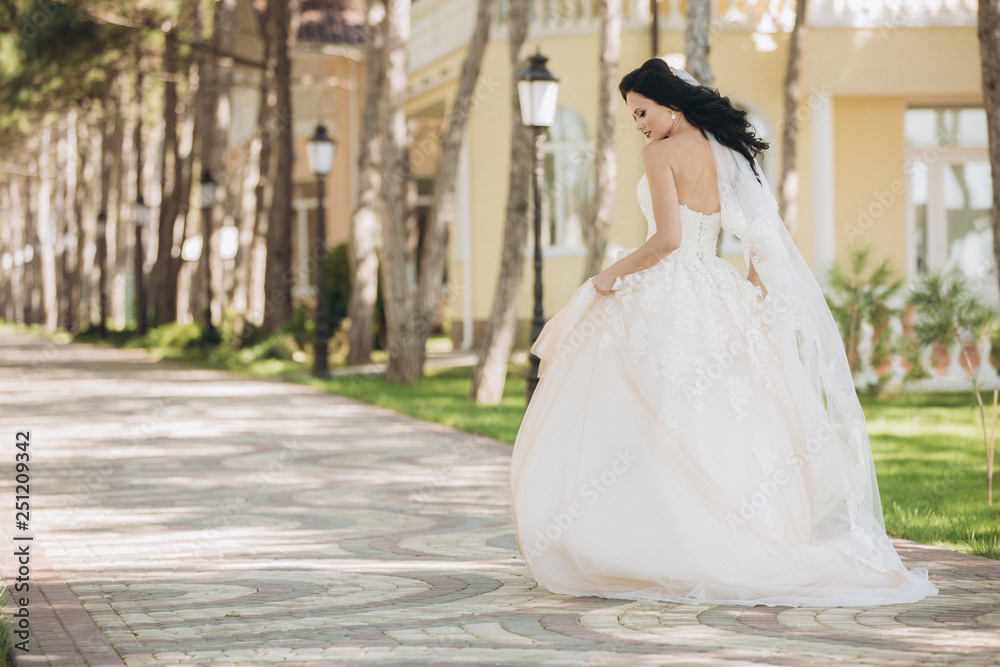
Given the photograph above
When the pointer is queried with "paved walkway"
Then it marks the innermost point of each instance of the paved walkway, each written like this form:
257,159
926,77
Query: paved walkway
185,516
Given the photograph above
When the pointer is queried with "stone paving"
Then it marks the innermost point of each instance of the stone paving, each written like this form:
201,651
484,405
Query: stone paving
187,516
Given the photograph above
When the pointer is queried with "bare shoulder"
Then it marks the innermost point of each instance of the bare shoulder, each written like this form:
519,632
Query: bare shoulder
658,154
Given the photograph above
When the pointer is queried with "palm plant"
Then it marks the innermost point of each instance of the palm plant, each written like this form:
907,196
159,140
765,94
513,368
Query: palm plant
947,312
941,306
862,293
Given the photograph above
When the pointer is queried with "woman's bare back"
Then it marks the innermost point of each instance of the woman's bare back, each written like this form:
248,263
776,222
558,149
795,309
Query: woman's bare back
694,171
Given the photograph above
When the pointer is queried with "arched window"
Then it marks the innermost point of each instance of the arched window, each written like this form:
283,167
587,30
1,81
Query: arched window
568,188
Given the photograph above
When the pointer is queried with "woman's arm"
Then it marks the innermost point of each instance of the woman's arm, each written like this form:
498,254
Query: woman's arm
754,279
666,213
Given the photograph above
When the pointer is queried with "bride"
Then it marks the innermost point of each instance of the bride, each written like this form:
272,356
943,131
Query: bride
695,436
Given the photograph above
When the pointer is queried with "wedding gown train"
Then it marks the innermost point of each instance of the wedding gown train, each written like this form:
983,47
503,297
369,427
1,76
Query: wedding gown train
673,451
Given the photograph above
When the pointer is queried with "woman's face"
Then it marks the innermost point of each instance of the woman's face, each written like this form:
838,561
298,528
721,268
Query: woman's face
651,119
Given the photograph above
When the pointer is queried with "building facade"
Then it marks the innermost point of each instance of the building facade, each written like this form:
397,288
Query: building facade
892,135
328,76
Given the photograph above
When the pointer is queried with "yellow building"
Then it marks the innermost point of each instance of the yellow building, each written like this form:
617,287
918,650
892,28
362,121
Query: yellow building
892,149
328,75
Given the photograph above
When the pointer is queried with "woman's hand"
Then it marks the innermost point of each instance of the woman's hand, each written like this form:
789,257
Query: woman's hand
603,282
754,279
763,290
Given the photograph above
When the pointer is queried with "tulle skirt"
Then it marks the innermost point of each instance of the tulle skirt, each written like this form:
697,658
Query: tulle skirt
672,452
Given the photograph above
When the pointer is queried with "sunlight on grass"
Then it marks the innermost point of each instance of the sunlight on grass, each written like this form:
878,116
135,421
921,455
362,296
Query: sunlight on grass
930,461
442,397
928,449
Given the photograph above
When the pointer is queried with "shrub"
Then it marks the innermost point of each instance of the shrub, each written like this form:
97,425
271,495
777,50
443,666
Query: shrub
337,290
174,335
862,294
301,326
336,285
947,310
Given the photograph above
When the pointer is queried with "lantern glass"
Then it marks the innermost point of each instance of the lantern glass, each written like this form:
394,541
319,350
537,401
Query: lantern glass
320,151
538,102
538,91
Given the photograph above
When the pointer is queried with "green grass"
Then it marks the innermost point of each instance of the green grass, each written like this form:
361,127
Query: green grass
928,450
6,627
278,355
442,397
931,467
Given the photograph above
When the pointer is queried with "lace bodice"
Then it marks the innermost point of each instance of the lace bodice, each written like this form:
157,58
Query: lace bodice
699,232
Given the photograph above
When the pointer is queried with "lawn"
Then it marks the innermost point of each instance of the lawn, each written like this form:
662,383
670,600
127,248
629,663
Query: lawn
930,461
441,397
928,450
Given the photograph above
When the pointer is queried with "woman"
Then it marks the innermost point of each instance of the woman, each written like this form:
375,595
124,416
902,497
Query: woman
695,436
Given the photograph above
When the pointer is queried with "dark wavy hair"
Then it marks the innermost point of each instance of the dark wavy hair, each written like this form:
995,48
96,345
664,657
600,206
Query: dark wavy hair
703,107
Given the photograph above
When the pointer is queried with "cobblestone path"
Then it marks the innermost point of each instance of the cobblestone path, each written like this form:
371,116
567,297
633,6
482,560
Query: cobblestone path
186,516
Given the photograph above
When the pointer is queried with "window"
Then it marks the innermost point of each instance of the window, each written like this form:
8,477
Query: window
568,187
950,194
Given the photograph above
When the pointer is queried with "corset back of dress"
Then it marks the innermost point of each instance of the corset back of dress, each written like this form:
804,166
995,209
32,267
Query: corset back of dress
699,232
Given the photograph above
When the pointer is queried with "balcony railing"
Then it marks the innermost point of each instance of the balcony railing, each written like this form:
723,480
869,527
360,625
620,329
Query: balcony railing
442,26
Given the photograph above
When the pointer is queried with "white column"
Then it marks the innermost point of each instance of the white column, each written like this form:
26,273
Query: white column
354,141
463,207
824,238
302,240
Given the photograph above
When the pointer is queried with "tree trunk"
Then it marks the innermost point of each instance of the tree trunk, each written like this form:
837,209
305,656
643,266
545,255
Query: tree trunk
183,175
46,230
162,289
989,50
490,373
278,270
117,240
249,209
405,360
435,246
605,166
34,291
206,130
19,276
103,304
227,172
788,194
268,122
82,181
7,242
248,233
139,251
361,254
699,21
63,204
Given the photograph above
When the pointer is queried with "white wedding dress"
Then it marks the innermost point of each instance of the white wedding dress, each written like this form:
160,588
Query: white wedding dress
672,452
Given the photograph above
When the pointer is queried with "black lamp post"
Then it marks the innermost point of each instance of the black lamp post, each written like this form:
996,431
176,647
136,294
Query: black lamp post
102,264
207,190
320,150
141,219
538,91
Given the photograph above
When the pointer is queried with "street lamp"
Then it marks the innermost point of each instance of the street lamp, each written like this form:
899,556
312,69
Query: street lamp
102,263
320,150
538,91
141,219
207,191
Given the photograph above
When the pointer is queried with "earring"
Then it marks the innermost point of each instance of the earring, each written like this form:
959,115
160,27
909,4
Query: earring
673,116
